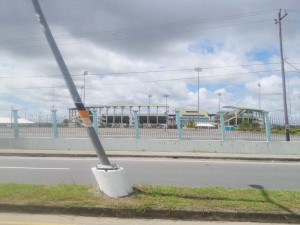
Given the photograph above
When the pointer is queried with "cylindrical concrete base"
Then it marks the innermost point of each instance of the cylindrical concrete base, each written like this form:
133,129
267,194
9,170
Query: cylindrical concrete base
112,182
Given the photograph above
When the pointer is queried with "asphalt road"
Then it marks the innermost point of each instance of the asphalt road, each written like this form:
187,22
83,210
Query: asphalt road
174,172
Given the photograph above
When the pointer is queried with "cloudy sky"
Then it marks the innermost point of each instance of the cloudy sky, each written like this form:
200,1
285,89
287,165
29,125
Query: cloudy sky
136,48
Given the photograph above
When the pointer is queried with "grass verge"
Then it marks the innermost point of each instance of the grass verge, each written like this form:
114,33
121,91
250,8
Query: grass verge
145,198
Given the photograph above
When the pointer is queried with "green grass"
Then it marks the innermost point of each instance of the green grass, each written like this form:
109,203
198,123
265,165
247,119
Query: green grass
155,197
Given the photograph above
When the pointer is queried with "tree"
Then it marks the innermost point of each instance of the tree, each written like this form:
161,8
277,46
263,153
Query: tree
190,124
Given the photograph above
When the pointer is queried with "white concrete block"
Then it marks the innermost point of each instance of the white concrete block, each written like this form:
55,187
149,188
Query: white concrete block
113,182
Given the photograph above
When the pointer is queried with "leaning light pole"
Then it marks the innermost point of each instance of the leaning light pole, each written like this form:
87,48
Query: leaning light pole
110,178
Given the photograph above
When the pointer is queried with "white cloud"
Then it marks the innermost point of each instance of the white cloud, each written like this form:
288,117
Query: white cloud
107,37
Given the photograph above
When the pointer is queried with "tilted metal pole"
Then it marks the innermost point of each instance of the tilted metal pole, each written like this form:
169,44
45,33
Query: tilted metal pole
84,116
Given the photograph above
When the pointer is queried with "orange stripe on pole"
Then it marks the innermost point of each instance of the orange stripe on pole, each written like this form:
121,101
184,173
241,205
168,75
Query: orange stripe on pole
85,118
83,114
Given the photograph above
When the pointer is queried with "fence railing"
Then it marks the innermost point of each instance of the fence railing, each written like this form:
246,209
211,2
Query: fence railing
58,127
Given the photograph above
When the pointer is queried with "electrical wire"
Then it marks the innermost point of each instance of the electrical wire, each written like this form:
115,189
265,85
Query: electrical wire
292,65
154,81
143,28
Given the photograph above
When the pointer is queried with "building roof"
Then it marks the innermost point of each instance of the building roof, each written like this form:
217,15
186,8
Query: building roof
205,125
242,108
122,105
192,112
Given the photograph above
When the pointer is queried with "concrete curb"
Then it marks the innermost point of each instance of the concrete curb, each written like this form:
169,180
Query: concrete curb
153,213
145,155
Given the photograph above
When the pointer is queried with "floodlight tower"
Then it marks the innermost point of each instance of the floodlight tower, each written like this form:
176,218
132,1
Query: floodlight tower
110,177
167,114
198,69
219,95
259,86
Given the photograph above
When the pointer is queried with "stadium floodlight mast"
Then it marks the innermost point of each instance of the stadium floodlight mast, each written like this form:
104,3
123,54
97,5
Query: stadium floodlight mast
110,178
148,118
219,95
198,69
259,86
84,74
167,115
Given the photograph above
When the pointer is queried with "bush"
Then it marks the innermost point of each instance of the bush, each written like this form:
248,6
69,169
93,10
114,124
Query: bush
244,125
190,124
275,131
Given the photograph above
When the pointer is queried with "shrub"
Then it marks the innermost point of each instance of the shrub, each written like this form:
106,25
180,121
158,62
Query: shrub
190,124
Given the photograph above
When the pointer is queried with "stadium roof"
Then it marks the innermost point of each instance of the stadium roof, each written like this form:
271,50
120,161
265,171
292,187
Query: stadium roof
242,108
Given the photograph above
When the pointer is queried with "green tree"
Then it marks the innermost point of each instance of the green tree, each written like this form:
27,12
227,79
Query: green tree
245,125
190,124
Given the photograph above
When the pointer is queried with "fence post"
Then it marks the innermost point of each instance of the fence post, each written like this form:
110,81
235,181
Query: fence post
54,124
222,123
16,125
95,121
178,122
136,125
267,125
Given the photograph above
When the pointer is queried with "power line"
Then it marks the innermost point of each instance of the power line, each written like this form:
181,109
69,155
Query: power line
137,37
144,36
293,21
292,10
139,72
143,28
153,81
291,65
190,78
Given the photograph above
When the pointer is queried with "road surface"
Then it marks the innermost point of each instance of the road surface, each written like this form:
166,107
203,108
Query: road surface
174,172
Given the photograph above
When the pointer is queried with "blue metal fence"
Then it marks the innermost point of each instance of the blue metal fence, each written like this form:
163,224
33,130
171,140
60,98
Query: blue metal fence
59,126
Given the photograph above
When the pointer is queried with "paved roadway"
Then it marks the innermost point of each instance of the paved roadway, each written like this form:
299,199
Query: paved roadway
32,219
175,172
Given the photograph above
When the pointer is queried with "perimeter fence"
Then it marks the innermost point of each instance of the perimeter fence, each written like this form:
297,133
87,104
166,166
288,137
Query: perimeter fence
59,126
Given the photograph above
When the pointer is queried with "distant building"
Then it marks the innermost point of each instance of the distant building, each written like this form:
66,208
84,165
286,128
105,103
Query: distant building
239,114
152,115
187,115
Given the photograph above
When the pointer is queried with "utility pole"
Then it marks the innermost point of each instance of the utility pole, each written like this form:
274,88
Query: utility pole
84,116
286,119
111,183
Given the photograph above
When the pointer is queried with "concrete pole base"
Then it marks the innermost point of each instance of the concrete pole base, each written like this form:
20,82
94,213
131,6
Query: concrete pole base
112,182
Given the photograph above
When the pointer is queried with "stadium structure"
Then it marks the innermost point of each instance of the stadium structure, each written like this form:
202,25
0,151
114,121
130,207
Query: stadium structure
150,115
237,115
